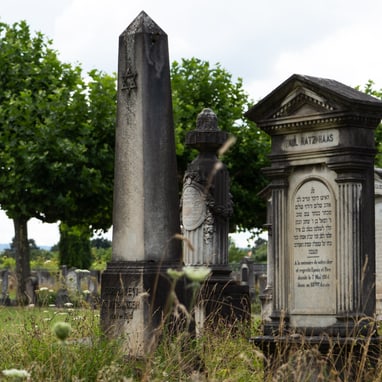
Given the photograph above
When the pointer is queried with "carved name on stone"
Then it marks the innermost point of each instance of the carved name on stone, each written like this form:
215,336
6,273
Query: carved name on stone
311,140
123,302
312,240
194,208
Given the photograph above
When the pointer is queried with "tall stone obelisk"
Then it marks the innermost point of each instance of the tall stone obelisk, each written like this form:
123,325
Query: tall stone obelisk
146,201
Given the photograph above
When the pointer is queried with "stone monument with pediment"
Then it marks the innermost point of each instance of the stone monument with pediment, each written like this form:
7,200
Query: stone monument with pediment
378,239
322,191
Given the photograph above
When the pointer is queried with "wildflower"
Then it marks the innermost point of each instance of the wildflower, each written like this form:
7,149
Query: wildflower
196,274
86,291
42,289
16,373
174,274
82,271
68,305
62,330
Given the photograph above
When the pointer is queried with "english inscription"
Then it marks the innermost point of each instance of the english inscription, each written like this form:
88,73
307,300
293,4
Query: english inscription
312,242
312,140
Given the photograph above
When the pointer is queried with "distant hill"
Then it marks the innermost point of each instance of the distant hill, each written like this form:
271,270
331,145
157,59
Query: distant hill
6,246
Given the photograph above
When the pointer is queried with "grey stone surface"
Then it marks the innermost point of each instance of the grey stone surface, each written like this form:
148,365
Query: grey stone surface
206,200
146,200
378,239
135,286
322,191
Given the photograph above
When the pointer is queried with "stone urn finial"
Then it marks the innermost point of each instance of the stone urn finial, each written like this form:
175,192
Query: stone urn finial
207,136
207,121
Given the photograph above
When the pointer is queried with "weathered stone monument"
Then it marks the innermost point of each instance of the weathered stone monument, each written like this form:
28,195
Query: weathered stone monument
206,201
378,239
206,209
322,191
134,288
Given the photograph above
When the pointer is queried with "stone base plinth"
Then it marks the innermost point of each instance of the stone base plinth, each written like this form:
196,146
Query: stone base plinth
135,299
225,301
310,356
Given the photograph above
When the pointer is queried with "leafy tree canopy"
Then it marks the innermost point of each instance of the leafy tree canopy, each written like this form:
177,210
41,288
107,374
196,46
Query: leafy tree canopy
197,85
369,89
56,139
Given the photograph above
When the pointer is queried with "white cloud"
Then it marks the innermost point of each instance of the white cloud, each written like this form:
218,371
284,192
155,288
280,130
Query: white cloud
264,42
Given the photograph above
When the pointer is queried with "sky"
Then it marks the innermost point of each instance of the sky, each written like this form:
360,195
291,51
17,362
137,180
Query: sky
262,42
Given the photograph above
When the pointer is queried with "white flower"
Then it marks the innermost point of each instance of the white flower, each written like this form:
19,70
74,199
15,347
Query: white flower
174,274
16,373
197,274
43,289
68,304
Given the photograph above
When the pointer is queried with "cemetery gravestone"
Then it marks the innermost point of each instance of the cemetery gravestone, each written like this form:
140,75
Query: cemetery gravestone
206,209
322,191
134,287
378,239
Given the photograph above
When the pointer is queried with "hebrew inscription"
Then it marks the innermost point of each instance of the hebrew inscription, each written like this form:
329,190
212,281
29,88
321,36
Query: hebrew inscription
313,236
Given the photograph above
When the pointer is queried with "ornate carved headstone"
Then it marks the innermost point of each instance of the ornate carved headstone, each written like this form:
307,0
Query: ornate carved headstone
322,185
134,288
206,201
206,208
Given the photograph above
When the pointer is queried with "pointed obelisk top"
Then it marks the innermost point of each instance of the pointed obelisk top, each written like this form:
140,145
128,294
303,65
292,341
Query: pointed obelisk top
146,200
143,23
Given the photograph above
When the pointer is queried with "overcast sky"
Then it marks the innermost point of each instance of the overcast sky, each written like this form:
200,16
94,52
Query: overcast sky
263,42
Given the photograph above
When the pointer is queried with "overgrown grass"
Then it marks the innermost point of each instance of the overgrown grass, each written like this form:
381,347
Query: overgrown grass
28,343
221,353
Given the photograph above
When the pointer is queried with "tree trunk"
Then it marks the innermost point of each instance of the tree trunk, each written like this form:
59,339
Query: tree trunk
23,271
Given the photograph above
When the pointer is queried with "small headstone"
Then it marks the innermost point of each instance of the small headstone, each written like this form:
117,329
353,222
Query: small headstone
71,280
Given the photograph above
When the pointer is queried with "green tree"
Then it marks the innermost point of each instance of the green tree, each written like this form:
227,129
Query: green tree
369,89
74,246
56,140
196,85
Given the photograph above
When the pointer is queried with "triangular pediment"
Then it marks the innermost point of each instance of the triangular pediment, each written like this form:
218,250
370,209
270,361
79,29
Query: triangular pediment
303,96
302,101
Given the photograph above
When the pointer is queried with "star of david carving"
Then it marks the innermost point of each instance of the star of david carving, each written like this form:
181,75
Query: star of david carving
128,81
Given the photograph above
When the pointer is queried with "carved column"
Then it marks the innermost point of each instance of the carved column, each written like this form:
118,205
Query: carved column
277,255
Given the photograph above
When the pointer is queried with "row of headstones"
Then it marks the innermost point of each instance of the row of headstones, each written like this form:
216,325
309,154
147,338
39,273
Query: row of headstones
69,281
